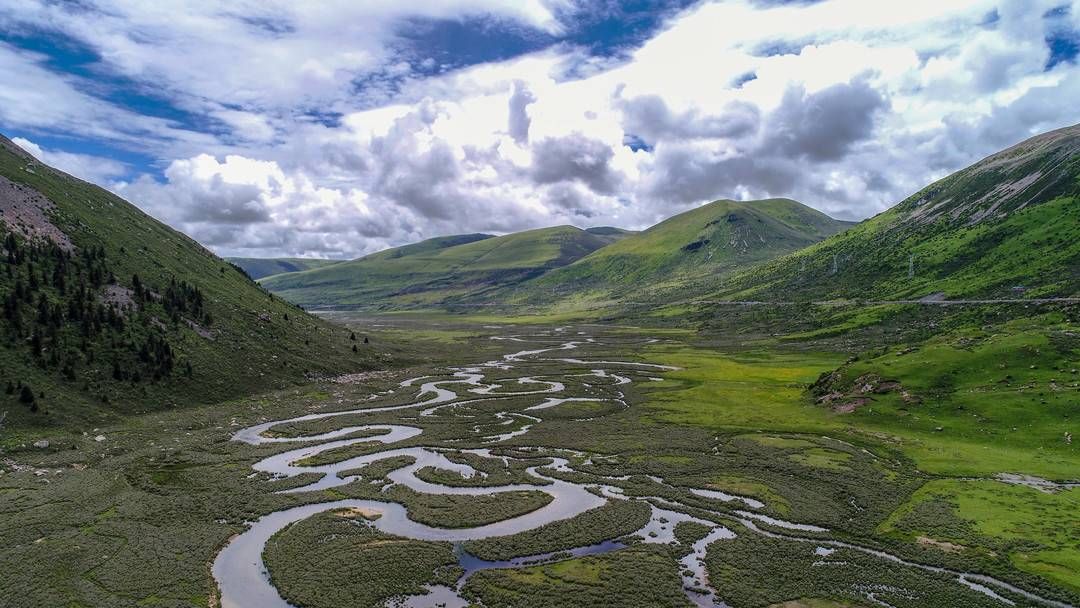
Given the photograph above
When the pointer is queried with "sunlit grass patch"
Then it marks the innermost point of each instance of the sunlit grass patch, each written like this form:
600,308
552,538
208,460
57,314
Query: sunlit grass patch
741,486
984,401
746,391
1038,530
822,458
773,441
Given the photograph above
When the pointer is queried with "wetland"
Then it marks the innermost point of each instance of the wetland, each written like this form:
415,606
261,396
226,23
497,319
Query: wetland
530,465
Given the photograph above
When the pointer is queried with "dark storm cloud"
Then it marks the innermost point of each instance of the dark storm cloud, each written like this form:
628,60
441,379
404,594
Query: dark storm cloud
823,126
575,157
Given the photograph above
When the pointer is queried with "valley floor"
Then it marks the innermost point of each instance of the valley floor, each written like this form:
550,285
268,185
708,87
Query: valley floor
579,465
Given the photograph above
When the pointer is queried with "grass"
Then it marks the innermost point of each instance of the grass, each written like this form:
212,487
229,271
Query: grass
994,399
682,251
258,342
612,520
156,512
988,400
1038,530
741,486
816,603
463,511
329,561
848,321
971,234
746,391
525,317
640,576
822,458
780,442
755,571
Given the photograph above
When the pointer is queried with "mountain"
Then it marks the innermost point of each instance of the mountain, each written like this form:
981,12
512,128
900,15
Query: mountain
258,268
686,252
610,233
1006,227
107,311
439,270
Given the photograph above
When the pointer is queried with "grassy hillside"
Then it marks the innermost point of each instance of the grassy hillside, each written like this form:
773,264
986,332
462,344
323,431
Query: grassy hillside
686,251
1010,220
258,268
107,311
437,270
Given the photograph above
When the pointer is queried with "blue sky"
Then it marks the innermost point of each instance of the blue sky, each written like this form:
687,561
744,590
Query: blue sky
432,45
337,128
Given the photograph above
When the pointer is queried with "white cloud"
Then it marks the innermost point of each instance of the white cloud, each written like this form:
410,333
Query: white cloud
33,97
247,126
90,168
270,55
845,105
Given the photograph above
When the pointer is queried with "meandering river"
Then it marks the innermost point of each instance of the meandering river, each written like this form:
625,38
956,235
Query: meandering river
244,582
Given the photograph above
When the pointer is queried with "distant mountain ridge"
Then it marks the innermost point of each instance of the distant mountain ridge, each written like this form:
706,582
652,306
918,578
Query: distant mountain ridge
546,265
1007,226
258,268
686,252
439,270
610,233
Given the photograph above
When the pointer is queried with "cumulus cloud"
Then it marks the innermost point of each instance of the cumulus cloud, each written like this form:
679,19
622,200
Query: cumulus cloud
823,125
242,205
318,135
687,173
575,157
225,193
519,121
650,118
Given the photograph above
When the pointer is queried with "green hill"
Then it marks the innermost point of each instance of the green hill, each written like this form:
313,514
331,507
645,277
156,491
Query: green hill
686,252
437,271
107,311
258,268
1005,227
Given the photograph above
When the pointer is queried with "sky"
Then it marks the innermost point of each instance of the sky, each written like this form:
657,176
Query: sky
337,128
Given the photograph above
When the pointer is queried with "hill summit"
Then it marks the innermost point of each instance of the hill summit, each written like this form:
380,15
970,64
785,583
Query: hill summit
108,311
1007,226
